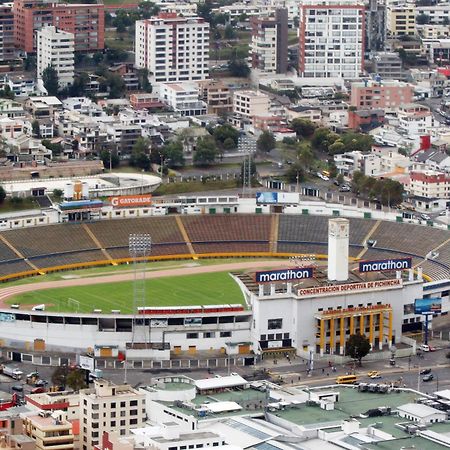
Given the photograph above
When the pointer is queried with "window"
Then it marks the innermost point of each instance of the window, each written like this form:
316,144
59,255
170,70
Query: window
122,404
133,403
274,324
209,334
133,421
122,423
191,335
133,412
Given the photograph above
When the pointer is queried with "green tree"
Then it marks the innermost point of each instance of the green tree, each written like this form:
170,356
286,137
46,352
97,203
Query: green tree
229,32
2,194
116,85
59,376
266,142
302,127
35,128
173,154
229,144
110,159
50,80
224,132
238,68
337,147
76,379
139,155
323,138
98,58
206,151
6,92
295,173
357,346
58,193
305,157
56,148
144,83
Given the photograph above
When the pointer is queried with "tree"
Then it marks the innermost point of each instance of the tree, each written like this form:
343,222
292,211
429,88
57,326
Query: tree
229,144
238,68
35,128
357,347
57,193
2,194
110,159
6,92
97,58
224,132
323,138
56,148
76,379
206,151
50,80
302,127
116,85
266,142
59,376
144,84
305,157
173,154
229,32
295,173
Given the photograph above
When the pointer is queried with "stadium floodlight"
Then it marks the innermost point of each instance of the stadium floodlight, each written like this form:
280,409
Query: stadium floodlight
139,244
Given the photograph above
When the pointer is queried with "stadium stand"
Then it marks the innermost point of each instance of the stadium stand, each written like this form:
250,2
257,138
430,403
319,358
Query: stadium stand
115,233
399,236
230,247
6,253
60,259
218,228
50,239
13,266
303,248
157,250
435,270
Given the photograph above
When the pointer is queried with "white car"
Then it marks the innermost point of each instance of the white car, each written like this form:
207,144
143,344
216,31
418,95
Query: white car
425,217
443,213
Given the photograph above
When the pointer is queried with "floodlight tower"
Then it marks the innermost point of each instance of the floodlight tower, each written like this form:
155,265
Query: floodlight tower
139,246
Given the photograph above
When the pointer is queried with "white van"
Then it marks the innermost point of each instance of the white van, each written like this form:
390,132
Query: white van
425,348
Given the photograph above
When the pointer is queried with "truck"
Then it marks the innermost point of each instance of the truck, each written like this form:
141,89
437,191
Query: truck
12,372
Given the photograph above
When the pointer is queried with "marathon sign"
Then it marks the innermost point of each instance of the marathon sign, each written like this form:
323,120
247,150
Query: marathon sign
127,201
385,264
350,288
284,275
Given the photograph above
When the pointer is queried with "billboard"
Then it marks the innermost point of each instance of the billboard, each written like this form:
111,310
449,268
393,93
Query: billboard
127,201
273,276
385,264
86,362
277,197
428,305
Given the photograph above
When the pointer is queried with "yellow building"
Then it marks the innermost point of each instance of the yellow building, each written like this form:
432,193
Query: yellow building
401,20
375,322
50,431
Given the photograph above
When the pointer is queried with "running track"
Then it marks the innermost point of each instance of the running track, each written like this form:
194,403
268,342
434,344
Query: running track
8,292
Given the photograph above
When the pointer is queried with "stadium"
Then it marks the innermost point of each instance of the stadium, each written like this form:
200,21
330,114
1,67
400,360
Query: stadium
188,236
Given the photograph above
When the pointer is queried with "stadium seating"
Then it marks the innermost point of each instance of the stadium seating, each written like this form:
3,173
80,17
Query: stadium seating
233,247
60,259
220,228
6,253
14,266
50,239
400,236
434,270
115,233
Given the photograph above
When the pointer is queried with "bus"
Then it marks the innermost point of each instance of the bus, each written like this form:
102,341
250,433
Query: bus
326,173
346,379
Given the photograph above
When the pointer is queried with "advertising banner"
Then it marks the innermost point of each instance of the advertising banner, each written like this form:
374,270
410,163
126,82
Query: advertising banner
128,201
273,276
428,305
385,264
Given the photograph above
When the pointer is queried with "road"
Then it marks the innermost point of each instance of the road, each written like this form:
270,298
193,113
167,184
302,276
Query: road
291,373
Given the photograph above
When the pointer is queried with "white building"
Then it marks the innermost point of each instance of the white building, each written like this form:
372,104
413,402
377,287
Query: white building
56,48
331,39
108,407
423,414
415,120
173,48
437,14
429,184
183,98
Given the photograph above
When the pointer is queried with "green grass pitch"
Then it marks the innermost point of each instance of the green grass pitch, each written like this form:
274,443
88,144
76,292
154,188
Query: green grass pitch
203,289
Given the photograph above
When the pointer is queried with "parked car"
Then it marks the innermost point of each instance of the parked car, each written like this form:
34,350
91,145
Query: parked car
424,348
41,383
428,377
38,390
425,371
425,216
345,188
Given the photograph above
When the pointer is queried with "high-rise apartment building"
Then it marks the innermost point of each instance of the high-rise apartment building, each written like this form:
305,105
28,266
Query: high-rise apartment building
269,46
173,48
6,33
401,20
331,39
56,48
109,407
85,21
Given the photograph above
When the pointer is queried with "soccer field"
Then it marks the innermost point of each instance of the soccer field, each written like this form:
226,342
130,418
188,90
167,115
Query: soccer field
203,289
